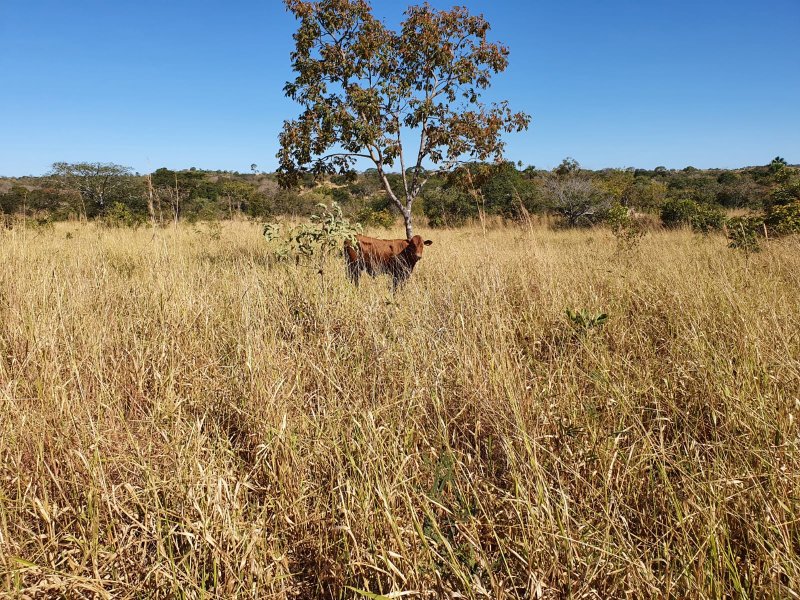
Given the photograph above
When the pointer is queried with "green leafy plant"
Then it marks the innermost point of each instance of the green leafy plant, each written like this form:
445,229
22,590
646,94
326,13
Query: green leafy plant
685,211
365,594
628,231
584,320
119,215
744,233
326,231
783,219
272,231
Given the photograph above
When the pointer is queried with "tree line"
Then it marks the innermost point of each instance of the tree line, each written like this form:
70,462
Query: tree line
571,195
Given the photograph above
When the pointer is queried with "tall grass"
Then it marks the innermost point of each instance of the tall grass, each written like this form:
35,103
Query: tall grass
180,417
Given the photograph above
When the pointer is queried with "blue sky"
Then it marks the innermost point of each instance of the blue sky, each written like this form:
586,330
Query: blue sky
613,84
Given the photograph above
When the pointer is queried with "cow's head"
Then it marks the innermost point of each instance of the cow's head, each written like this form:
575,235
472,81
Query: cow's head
416,245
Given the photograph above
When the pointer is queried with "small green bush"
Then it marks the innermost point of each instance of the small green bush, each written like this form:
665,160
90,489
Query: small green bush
778,220
628,230
370,217
448,207
680,212
341,195
324,233
119,215
783,219
744,233
583,320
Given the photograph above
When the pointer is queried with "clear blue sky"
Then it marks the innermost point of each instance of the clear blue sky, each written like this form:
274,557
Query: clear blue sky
617,83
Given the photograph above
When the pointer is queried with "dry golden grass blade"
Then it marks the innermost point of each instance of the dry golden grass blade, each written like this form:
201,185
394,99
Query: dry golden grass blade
181,416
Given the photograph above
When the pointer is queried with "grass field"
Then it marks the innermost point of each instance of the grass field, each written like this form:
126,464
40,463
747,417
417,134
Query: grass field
181,418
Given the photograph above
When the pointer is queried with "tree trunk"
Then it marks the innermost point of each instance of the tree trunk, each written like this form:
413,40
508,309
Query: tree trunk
407,220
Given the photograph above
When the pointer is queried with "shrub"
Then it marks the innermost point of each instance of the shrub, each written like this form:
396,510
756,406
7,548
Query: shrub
680,212
744,232
203,210
628,230
448,207
340,195
779,220
370,217
119,215
325,232
677,213
783,219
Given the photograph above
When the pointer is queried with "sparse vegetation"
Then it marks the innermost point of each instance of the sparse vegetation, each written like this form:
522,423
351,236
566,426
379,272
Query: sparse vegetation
182,417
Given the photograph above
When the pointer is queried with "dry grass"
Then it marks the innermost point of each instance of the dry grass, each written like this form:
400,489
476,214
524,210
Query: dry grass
178,417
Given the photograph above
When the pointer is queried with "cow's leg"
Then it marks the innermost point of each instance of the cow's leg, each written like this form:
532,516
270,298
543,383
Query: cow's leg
353,272
353,265
400,274
397,281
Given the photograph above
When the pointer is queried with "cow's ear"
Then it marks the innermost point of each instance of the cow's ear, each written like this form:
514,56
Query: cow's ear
428,242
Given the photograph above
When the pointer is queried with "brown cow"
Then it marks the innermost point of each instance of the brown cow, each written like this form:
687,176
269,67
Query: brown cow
396,257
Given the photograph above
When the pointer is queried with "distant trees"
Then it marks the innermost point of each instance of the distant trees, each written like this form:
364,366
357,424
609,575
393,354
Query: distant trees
363,86
14,200
472,191
238,194
480,189
46,200
94,182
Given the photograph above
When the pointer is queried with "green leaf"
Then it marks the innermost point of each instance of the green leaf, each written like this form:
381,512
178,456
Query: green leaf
24,563
368,594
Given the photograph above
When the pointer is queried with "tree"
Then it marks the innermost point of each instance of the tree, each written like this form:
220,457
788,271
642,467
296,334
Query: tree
778,169
364,87
95,182
573,195
497,188
575,198
777,163
15,200
236,193
568,167
620,184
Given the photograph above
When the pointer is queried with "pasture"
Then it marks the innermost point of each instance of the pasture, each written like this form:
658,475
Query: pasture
180,416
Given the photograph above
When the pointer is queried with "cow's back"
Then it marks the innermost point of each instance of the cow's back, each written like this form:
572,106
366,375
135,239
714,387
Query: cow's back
380,254
374,255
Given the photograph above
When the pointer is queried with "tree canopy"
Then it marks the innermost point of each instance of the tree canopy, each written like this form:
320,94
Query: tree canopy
364,88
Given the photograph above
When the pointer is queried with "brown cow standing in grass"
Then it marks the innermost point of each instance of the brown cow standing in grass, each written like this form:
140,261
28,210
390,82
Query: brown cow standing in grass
376,256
